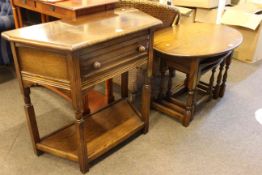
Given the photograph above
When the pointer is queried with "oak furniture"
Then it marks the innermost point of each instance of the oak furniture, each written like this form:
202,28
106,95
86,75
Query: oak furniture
169,15
193,49
68,10
73,56
61,9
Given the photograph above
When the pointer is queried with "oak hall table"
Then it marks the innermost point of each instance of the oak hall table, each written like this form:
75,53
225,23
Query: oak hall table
76,55
193,49
62,9
69,10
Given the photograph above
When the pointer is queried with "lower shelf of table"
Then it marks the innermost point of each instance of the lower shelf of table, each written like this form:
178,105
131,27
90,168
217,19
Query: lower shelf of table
103,131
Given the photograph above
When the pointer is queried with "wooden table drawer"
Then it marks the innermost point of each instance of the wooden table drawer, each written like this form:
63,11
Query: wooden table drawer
105,57
49,9
30,4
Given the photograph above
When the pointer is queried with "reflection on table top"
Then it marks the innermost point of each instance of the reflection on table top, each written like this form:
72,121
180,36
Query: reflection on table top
80,4
197,40
89,30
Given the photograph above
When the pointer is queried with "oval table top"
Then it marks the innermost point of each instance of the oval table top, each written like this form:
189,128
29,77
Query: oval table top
196,40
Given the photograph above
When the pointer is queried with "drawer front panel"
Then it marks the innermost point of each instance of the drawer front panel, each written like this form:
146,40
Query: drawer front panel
105,57
54,11
30,4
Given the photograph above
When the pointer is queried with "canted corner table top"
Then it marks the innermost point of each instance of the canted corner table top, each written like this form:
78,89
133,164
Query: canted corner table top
196,40
89,30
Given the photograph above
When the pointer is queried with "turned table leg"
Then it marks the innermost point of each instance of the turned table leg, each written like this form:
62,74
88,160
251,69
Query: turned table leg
211,84
170,82
223,86
146,92
162,79
146,106
189,106
81,140
219,79
31,120
80,112
191,85
78,101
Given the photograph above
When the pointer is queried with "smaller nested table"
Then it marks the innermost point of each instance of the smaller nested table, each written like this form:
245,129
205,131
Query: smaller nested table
193,49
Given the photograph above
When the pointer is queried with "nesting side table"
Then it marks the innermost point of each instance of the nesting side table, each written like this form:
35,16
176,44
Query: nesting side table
73,56
193,49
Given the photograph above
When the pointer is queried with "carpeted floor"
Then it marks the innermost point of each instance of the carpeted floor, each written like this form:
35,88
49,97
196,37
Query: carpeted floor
224,138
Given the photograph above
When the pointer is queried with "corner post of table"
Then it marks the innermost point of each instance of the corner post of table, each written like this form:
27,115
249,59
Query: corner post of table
223,86
29,109
146,92
191,85
79,107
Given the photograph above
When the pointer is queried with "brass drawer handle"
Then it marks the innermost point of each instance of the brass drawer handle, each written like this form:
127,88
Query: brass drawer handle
97,65
141,48
52,8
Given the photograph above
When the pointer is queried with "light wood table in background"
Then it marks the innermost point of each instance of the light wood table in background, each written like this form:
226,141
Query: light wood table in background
65,9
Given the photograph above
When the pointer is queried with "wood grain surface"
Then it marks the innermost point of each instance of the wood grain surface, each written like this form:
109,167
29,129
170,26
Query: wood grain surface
196,40
87,31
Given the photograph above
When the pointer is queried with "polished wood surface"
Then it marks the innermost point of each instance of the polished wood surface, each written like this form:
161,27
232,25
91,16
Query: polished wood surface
196,40
193,49
90,30
74,56
66,9
80,4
